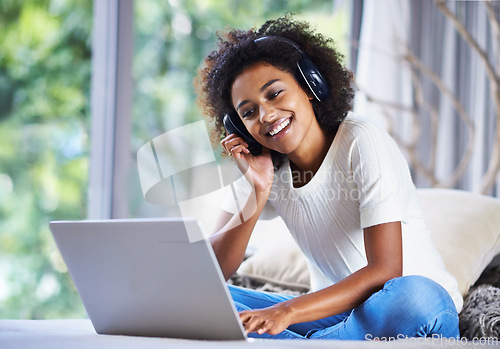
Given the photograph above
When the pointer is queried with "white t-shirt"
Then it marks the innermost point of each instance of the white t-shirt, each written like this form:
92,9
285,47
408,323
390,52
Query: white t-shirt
363,181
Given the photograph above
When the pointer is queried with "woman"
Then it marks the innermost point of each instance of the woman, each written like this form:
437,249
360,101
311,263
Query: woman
340,184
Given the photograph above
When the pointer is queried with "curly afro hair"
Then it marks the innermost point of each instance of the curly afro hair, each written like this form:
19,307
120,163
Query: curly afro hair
237,50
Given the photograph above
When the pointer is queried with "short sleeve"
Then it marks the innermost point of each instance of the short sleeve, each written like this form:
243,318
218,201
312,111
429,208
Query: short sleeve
381,175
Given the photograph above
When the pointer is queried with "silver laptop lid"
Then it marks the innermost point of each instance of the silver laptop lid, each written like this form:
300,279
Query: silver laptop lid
143,277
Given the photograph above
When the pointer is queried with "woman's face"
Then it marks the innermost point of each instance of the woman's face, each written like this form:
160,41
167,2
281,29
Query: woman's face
274,108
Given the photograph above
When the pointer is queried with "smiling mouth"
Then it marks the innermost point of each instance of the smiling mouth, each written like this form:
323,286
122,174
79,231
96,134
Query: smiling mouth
279,127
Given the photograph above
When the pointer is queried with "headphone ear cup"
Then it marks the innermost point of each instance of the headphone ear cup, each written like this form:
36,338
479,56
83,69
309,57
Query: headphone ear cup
317,84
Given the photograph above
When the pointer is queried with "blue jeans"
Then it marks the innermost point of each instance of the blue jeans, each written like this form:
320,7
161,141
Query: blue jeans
409,306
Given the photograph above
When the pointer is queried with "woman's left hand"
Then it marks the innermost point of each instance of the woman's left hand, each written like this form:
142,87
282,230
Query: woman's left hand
271,320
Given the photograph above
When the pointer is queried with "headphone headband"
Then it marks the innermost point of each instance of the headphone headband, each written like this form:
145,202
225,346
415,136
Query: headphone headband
282,39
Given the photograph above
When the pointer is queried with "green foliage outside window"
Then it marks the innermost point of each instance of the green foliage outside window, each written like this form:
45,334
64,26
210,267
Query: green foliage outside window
45,52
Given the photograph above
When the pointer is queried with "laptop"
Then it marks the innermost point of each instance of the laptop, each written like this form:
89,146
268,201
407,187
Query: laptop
143,277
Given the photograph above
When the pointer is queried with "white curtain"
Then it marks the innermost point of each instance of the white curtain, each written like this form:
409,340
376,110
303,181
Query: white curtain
423,80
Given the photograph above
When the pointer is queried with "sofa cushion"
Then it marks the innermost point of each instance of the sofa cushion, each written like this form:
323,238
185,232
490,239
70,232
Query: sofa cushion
465,229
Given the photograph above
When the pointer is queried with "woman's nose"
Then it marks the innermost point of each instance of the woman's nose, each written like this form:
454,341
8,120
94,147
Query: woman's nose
266,113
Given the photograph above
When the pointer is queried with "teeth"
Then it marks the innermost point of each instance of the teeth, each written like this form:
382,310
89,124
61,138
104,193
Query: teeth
280,127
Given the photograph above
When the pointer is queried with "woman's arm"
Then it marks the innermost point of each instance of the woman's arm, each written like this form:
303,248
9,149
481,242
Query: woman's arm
383,245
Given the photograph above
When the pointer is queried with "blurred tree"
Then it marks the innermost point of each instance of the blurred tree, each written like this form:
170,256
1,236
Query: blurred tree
44,91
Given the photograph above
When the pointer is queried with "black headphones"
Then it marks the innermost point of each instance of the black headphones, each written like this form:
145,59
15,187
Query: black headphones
313,78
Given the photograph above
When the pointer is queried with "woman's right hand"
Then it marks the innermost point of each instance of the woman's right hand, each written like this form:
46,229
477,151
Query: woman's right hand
257,169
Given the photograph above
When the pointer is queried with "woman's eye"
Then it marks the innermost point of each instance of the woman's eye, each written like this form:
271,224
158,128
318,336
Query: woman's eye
248,113
274,94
